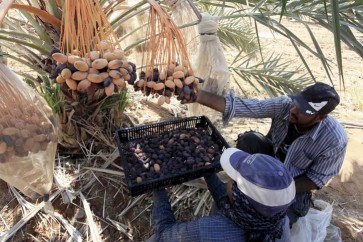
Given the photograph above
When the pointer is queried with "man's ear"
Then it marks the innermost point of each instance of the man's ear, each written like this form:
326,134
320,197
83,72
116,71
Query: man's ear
321,117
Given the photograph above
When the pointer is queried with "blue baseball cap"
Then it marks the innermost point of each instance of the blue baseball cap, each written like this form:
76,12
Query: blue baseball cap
264,180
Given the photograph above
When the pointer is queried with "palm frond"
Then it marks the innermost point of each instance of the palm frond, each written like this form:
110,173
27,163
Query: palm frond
28,57
272,75
26,63
119,100
132,11
321,54
303,60
42,49
237,34
340,17
49,18
37,27
52,95
44,46
53,9
283,9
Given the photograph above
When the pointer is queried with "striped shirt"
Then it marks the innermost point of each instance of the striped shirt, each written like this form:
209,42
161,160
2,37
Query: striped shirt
319,153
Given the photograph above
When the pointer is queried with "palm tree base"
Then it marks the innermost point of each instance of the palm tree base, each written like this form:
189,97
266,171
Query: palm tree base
86,124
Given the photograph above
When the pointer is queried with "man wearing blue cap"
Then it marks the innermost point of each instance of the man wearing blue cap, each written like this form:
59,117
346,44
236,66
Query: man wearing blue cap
311,143
252,207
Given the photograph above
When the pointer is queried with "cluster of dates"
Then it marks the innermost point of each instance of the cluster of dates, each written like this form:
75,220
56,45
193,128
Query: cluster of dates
175,152
164,84
106,69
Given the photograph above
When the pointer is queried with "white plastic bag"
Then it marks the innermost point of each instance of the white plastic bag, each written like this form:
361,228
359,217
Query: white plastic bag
333,234
313,227
210,64
28,137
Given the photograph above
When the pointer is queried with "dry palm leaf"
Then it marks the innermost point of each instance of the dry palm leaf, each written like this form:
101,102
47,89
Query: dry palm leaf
40,13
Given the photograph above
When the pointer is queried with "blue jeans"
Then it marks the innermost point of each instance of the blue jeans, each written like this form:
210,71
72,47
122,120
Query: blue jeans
300,207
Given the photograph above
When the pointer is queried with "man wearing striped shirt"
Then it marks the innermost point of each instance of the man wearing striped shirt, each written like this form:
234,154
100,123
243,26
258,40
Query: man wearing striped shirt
310,143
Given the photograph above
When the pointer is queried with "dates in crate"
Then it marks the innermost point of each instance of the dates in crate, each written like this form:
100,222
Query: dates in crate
172,153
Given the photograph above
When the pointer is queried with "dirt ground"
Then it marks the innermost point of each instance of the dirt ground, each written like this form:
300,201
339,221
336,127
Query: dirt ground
344,191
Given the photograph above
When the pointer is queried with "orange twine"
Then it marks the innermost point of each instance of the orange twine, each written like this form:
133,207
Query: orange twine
84,26
166,44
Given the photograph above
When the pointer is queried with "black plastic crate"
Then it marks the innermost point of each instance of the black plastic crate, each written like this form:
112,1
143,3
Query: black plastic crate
124,136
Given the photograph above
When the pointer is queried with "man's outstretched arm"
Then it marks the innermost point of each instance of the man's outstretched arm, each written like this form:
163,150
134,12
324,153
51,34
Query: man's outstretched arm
211,100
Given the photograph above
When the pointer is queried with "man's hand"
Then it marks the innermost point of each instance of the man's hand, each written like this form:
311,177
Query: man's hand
193,98
304,184
208,99
211,100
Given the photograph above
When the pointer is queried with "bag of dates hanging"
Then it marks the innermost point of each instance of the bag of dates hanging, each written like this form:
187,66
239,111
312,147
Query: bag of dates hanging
28,137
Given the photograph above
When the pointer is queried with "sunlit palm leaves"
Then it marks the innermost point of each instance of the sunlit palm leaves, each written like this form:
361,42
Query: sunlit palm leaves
272,75
31,41
343,18
234,33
